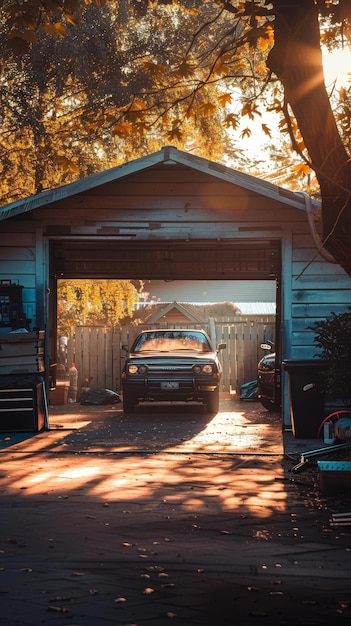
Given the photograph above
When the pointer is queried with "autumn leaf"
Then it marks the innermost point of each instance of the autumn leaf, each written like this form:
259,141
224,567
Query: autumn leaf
207,109
302,169
175,133
123,129
266,40
342,94
56,30
135,112
191,11
221,67
133,116
261,68
140,128
186,69
154,70
224,99
276,106
246,133
231,120
66,164
70,18
250,109
266,130
139,104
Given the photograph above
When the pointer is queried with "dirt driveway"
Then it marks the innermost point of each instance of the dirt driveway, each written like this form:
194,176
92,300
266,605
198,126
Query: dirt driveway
167,516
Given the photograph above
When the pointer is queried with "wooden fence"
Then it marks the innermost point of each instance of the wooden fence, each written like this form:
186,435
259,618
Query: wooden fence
99,354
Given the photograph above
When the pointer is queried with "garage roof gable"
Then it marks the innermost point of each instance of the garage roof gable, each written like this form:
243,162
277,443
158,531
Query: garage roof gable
167,155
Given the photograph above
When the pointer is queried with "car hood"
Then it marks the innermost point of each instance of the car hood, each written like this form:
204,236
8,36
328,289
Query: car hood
268,361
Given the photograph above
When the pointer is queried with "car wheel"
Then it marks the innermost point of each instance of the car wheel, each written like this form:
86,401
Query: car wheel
128,403
212,401
270,405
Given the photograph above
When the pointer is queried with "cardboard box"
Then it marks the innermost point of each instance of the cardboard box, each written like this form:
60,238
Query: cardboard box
59,395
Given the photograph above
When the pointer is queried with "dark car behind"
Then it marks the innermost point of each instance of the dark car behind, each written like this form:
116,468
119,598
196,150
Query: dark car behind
268,382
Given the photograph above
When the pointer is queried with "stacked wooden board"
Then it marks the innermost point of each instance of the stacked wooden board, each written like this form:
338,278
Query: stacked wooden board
22,352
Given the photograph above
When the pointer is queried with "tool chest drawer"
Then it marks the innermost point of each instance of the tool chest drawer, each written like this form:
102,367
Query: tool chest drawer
22,409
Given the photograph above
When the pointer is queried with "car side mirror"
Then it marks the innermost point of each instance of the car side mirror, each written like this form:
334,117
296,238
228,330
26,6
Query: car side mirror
221,346
126,348
266,346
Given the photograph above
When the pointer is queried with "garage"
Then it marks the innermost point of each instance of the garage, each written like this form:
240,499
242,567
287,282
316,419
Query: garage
172,215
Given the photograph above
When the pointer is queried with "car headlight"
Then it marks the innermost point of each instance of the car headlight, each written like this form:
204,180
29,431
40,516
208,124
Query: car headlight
136,369
203,369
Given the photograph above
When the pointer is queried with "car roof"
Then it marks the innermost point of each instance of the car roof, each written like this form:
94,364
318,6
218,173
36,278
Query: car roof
168,330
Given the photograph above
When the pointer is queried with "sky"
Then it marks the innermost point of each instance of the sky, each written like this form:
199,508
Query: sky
337,65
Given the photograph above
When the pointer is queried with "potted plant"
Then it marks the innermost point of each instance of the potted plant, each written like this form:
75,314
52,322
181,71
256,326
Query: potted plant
333,338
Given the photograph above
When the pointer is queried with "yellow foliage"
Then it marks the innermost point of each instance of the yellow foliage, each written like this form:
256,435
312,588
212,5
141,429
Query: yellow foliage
91,302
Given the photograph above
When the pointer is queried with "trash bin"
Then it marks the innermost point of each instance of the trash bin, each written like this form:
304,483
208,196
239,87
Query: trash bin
306,396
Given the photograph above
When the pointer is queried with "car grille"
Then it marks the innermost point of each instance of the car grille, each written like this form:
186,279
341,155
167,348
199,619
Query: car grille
180,368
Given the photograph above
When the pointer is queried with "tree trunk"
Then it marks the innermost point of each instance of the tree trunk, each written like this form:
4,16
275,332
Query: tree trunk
296,59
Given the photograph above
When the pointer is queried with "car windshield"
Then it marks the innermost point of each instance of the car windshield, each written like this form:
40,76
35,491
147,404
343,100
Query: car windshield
170,341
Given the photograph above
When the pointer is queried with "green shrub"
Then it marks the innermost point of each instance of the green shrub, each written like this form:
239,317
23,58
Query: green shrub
333,338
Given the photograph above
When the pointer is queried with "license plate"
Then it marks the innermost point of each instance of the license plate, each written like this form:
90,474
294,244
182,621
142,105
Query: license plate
169,384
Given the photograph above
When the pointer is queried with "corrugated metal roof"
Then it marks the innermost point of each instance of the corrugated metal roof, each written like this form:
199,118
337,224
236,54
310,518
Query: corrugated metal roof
210,291
257,308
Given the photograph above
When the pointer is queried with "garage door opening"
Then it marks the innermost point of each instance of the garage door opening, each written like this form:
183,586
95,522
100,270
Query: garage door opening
99,355
199,273
241,314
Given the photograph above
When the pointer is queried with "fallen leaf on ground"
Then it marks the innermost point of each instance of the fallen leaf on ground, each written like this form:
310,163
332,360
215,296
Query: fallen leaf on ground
148,590
57,609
